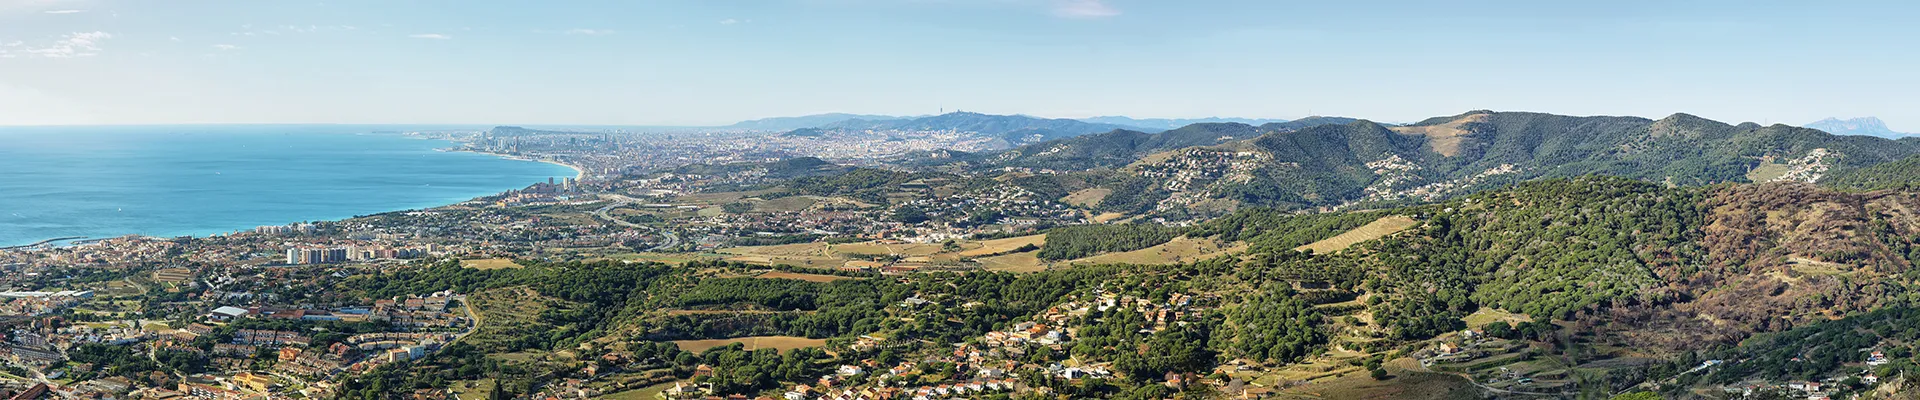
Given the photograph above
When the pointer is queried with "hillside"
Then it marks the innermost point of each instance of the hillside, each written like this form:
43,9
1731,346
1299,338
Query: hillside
1898,175
1580,285
1121,147
1363,162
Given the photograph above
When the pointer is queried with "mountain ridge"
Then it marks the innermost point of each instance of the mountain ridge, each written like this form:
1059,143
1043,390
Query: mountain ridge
1174,123
1866,126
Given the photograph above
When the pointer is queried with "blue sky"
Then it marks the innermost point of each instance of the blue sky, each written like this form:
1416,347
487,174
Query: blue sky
665,62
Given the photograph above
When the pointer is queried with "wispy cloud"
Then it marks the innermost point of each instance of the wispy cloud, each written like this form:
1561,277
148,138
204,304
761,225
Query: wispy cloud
77,44
226,47
590,32
64,11
1084,9
729,21
434,36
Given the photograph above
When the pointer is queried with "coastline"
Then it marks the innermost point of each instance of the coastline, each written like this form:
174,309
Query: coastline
579,174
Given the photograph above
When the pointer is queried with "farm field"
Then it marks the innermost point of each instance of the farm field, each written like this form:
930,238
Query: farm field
1404,382
1181,249
1372,230
489,263
997,246
1087,197
1017,262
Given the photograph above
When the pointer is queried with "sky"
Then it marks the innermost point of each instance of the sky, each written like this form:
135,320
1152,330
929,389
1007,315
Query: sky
711,62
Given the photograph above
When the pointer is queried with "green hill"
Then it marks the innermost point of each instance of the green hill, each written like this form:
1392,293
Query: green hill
1898,175
1365,162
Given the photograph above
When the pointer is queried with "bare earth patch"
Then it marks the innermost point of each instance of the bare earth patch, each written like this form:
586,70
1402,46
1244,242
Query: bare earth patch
1087,197
490,263
1446,138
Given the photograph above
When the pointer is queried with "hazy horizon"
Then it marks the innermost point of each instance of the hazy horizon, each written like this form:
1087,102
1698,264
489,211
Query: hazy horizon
692,63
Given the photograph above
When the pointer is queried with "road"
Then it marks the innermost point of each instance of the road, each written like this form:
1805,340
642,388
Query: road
1469,378
618,201
673,239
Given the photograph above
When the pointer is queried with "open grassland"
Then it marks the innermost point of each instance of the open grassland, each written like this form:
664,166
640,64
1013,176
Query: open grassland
781,343
1404,382
800,276
1768,171
718,198
663,258
1487,315
649,393
1372,230
1087,197
476,389
999,246
507,314
878,248
1179,250
812,255
996,254
1108,217
489,263
1017,262
786,204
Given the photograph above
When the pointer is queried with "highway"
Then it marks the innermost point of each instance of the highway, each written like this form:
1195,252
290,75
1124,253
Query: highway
673,239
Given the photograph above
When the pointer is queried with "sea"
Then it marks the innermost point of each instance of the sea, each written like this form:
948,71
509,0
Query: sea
166,181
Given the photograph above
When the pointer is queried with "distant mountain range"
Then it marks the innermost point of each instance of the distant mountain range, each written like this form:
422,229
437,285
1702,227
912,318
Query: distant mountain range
805,121
1015,129
1863,126
1173,123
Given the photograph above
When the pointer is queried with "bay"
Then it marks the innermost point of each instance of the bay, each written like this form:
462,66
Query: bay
106,181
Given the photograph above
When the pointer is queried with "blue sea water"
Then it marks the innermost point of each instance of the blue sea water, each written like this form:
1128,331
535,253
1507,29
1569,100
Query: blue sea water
201,180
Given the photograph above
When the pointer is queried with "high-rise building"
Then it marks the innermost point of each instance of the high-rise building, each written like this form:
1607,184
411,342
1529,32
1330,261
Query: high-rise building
297,256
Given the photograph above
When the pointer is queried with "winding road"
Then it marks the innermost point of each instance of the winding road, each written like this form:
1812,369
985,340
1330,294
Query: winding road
673,239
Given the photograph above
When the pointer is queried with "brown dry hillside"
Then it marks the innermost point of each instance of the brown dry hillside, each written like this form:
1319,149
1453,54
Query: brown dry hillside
1778,256
1446,138
1784,254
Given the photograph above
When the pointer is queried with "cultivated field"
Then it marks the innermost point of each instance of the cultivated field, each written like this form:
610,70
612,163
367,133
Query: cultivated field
1087,197
1405,382
489,263
1017,262
1487,315
997,246
1372,230
782,343
1180,250
989,253
663,258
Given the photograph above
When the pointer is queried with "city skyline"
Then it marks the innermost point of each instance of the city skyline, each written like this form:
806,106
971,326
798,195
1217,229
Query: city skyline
83,62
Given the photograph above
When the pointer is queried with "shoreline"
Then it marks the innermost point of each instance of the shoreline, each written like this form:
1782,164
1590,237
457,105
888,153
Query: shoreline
579,174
